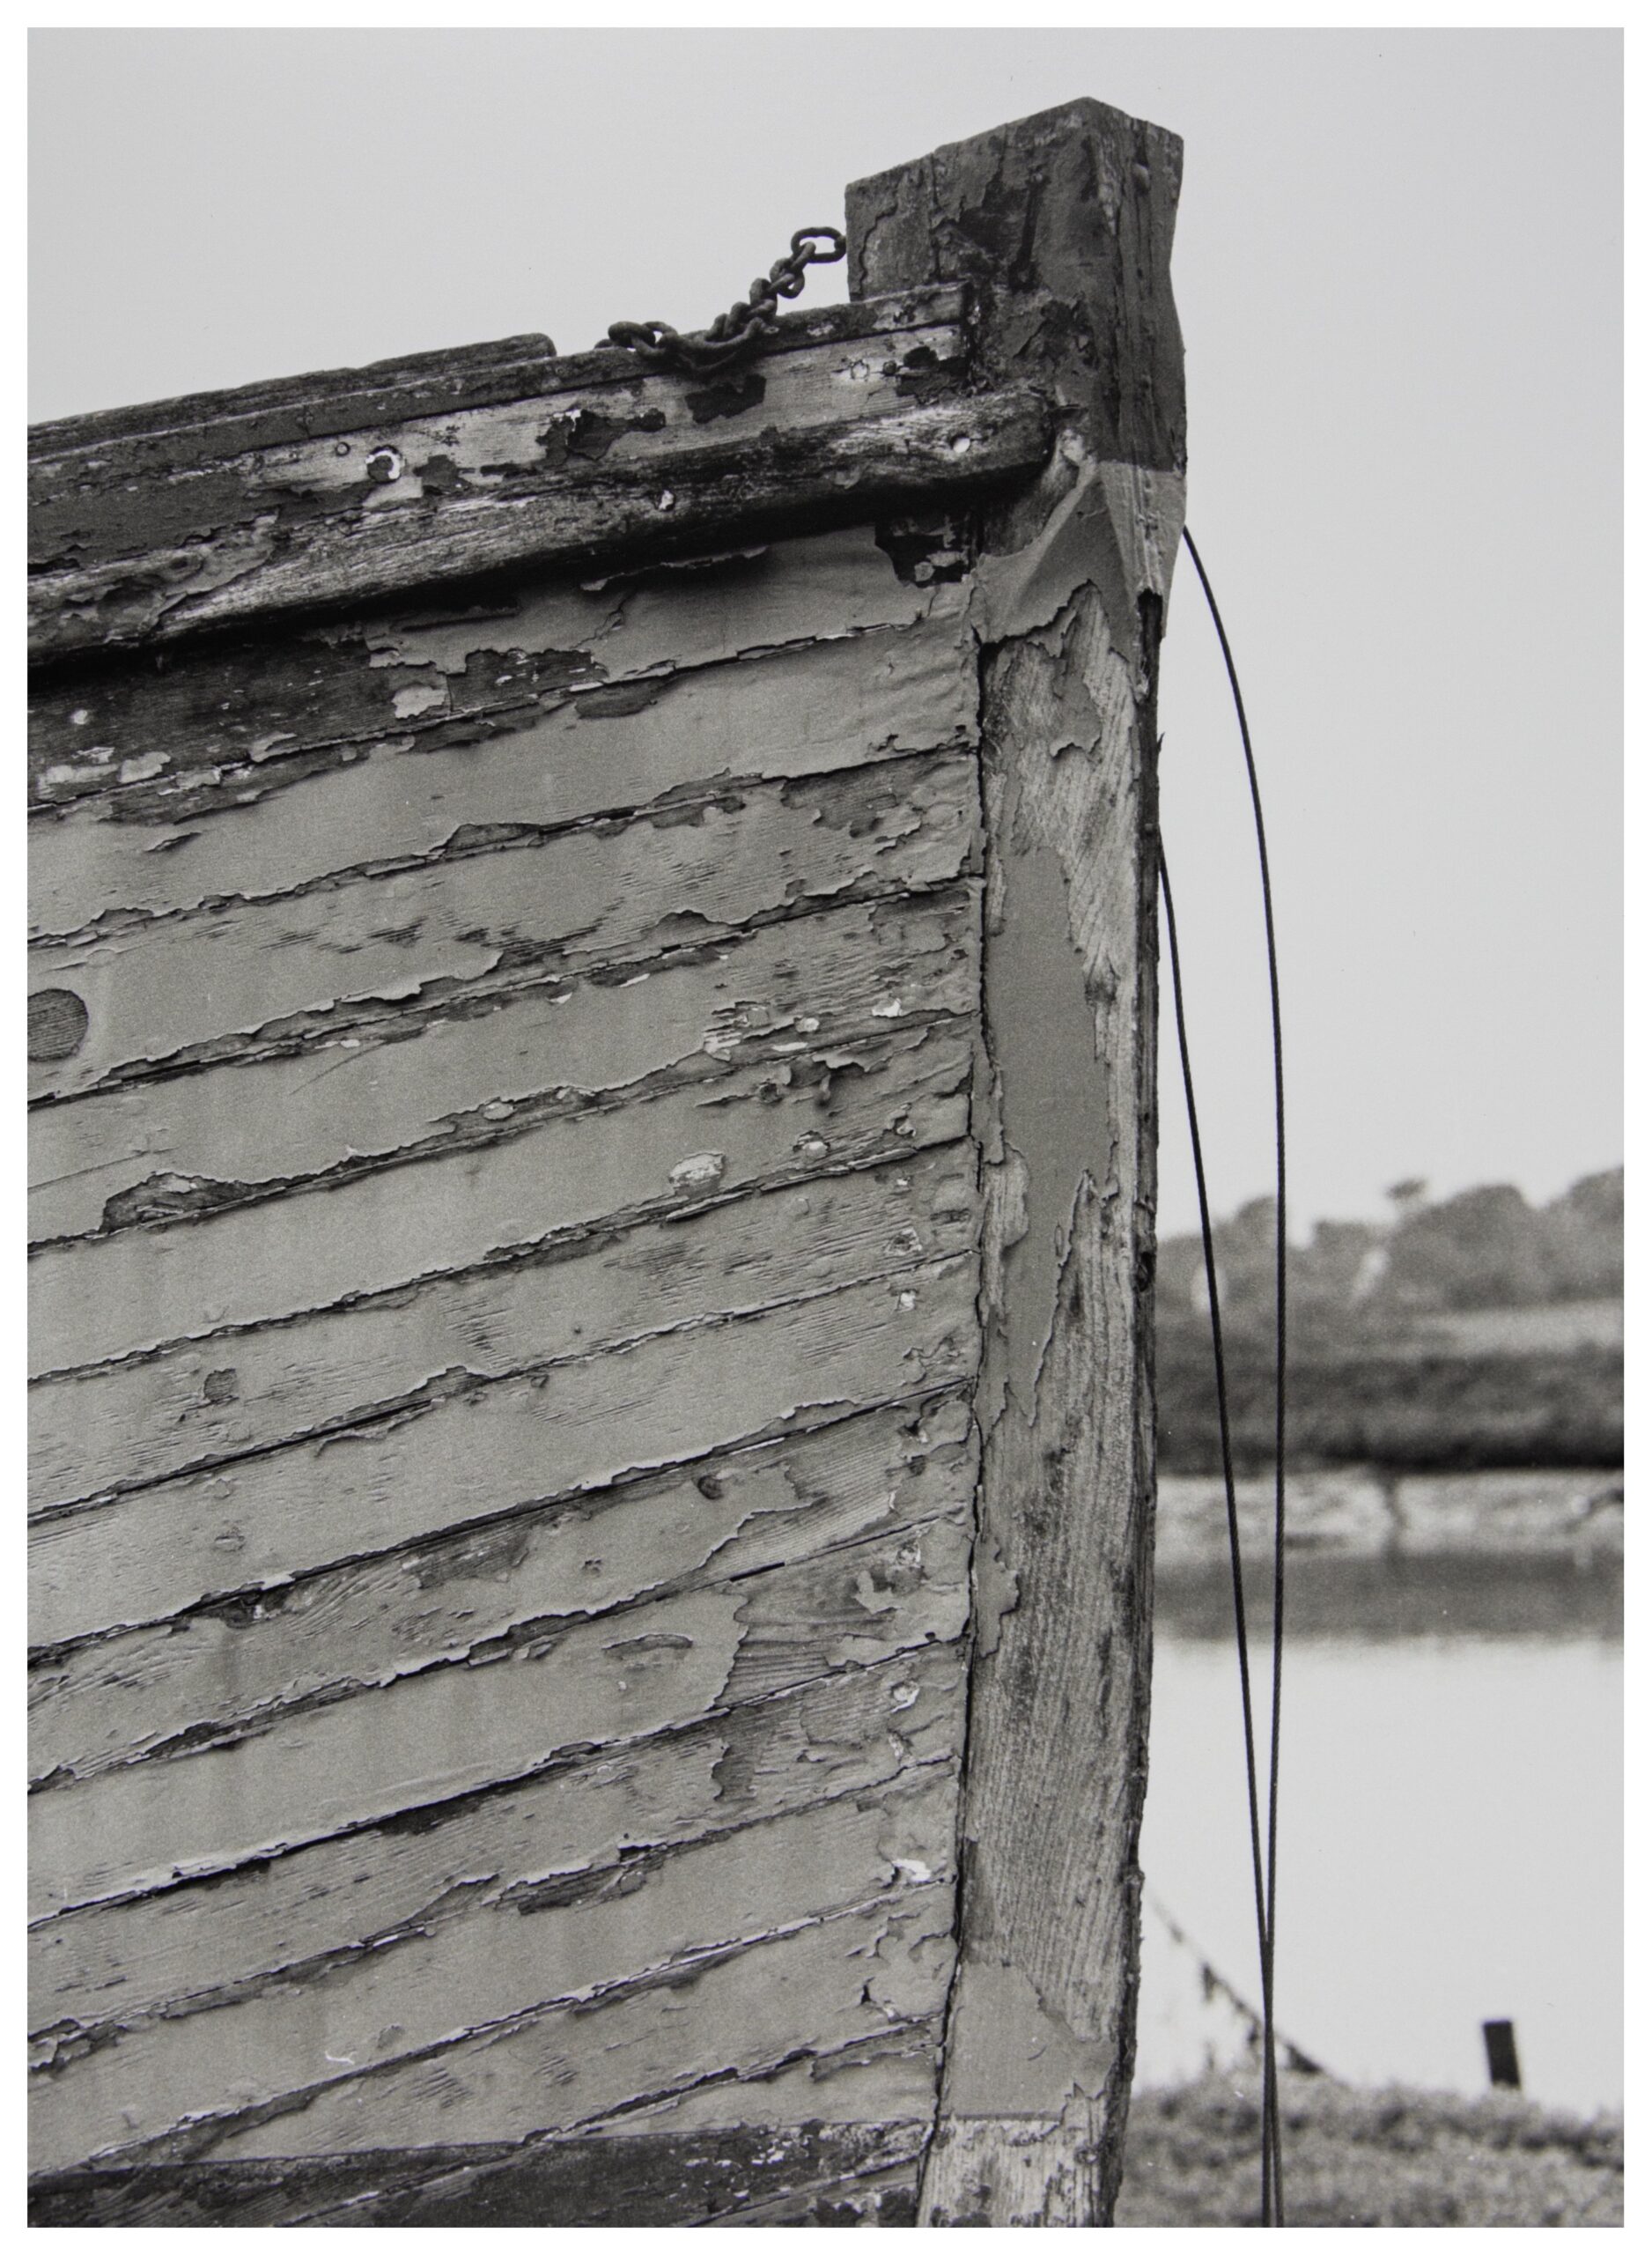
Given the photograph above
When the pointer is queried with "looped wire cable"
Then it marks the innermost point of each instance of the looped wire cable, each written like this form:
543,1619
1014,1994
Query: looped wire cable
1241,1627
1272,2188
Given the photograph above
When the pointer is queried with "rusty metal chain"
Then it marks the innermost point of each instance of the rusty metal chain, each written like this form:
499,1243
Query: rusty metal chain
741,332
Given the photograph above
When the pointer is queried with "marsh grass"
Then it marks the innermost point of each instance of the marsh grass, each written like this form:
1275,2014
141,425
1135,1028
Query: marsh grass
1368,2157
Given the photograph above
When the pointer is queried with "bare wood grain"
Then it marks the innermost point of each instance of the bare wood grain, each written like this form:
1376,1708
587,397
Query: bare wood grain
162,438
144,496
125,502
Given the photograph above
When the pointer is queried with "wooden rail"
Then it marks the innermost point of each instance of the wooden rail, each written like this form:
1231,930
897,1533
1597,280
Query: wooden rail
338,491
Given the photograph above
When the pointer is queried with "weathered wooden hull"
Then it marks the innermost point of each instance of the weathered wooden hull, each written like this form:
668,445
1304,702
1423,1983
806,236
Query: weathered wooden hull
548,1201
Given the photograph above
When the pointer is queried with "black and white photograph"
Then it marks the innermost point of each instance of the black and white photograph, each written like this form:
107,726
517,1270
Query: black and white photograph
825,1163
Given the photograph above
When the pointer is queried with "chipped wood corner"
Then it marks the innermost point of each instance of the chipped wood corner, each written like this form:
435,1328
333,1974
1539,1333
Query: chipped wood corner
591,1437
1061,224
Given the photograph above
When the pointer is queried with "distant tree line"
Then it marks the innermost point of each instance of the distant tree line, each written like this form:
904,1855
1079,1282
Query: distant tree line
1370,1381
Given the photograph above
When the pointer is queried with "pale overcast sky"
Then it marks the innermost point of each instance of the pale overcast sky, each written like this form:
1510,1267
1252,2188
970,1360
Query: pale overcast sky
1398,267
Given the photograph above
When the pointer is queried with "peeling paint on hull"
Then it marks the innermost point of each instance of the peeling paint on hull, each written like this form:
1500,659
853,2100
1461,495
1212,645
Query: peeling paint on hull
591,1137
504,1283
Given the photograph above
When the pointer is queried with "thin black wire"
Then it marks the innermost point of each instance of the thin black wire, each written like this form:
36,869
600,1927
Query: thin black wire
1241,1629
1270,2071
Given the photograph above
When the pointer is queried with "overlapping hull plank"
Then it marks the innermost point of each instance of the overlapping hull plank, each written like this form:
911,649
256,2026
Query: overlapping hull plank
467,1068
192,1679
563,1946
495,1713
849,1975
551,1250
187,1949
581,899
859,2174
255,1520
222,1395
572,735
504,1299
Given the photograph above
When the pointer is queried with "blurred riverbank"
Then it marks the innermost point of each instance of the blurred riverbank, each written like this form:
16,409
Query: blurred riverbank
1379,1554
1363,1510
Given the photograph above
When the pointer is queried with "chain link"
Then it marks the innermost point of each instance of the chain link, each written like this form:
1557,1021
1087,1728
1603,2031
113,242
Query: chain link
741,332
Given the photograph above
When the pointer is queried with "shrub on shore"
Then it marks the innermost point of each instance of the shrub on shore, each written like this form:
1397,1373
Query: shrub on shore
1450,1339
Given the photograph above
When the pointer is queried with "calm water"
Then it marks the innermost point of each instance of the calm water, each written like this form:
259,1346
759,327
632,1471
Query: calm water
1450,1848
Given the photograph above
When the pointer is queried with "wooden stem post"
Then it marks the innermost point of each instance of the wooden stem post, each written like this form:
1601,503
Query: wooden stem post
1061,226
